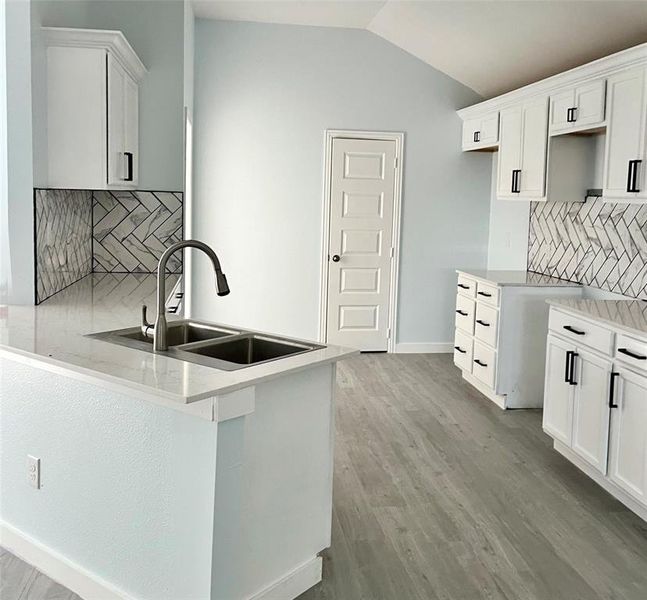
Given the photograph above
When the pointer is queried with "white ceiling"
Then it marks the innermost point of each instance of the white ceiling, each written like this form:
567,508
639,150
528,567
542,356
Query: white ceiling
490,46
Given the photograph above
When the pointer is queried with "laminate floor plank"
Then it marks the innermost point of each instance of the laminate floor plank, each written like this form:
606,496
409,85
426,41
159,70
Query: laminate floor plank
440,495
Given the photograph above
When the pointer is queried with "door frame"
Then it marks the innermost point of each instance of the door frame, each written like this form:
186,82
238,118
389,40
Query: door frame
329,136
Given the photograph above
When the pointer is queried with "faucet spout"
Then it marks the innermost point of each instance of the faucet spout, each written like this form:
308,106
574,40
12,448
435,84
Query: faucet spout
160,329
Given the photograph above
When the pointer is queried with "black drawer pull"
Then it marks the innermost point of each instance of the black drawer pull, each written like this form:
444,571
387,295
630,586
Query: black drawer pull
573,330
631,354
462,313
459,349
485,294
612,387
463,286
482,323
479,363
571,380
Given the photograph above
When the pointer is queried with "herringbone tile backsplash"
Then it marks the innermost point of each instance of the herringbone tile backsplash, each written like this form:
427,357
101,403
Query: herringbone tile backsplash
79,232
596,243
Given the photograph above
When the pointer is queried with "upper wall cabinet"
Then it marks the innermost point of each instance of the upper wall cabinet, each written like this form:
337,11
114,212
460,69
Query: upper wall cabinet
625,169
481,132
92,109
578,108
522,151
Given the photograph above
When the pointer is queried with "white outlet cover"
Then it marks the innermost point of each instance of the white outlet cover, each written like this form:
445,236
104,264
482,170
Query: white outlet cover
33,471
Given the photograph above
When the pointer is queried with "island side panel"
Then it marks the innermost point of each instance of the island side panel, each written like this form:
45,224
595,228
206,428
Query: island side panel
274,485
127,486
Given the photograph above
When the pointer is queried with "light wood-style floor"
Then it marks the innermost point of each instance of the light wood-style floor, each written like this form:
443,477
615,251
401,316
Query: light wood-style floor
440,495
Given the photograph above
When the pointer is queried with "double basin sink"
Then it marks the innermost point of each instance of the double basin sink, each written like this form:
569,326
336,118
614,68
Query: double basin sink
211,345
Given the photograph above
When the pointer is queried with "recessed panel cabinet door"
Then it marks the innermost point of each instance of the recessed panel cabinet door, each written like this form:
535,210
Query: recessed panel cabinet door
591,375
509,152
628,452
560,104
532,181
625,141
558,392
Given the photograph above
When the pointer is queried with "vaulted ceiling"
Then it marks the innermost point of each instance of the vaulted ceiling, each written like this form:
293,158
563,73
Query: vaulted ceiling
490,46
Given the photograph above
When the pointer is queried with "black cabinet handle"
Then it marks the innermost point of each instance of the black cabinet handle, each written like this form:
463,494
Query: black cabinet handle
485,294
477,136
460,350
571,379
612,388
463,286
573,330
462,313
632,176
129,166
515,181
631,354
336,258
570,115
482,323
479,363
567,365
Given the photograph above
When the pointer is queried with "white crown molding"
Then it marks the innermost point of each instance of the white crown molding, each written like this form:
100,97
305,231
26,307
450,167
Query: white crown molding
112,41
603,67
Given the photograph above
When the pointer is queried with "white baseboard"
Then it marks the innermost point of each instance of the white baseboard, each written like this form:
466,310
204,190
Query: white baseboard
423,348
57,567
293,584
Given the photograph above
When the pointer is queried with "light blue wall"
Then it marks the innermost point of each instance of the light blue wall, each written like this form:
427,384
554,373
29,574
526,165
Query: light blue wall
264,94
156,32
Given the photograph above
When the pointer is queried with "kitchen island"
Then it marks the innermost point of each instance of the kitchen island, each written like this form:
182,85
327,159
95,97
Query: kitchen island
159,478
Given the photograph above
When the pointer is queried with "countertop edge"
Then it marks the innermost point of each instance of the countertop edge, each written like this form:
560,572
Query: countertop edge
563,282
147,393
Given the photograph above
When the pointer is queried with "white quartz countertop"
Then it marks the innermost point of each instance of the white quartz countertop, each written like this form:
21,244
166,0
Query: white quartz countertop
54,333
627,315
517,278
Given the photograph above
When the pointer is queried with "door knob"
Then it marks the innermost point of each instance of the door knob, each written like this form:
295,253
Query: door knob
336,258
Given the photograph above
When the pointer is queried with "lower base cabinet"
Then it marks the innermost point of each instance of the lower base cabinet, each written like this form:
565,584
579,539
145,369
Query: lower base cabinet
595,405
628,456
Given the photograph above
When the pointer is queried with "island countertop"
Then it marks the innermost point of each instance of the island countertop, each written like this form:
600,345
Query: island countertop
54,334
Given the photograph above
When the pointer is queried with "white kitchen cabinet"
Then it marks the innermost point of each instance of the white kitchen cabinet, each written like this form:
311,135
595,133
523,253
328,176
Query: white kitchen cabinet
578,108
522,151
500,323
558,391
591,376
92,109
595,405
628,456
625,152
481,132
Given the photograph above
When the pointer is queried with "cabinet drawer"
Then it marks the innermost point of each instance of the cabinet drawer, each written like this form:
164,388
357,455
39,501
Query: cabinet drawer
463,351
487,293
486,324
466,286
631,352
484,364
580,331
465,314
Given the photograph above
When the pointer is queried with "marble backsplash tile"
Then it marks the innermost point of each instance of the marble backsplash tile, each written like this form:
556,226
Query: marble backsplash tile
63,239
596,243
79,232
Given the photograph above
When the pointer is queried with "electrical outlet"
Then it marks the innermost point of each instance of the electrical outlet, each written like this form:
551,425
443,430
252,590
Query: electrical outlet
33,471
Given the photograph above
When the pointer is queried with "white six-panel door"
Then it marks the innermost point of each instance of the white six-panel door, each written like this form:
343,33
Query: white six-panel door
362,190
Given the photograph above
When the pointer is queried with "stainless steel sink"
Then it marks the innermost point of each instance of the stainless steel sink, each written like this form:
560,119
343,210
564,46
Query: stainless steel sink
211,345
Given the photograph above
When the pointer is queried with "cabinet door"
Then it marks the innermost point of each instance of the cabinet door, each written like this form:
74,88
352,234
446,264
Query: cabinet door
116,122
470,127
628,453
591,408
131,128
532,182
489,132
558,392
509,151
559,107
627,105
590,103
